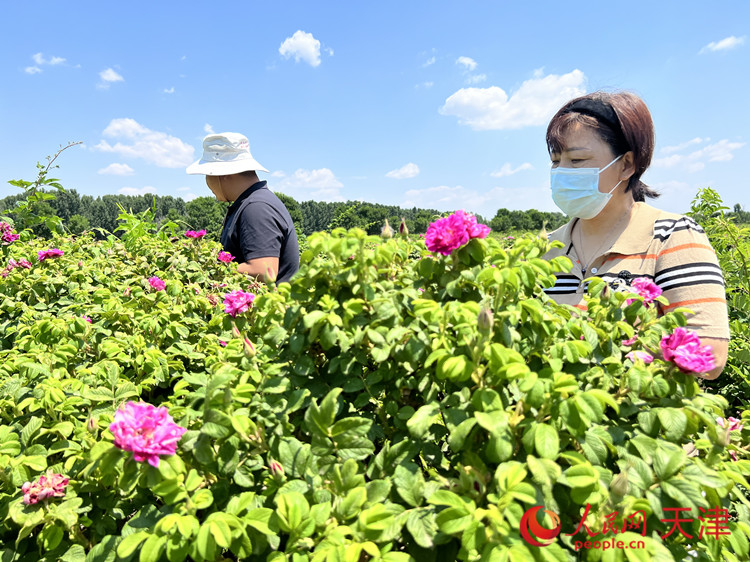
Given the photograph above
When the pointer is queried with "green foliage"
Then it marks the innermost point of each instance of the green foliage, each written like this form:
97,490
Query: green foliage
514,221
137,229
376,419
732,245
32,211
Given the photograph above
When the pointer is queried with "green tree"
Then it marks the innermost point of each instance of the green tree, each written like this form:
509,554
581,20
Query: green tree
77,224
206,213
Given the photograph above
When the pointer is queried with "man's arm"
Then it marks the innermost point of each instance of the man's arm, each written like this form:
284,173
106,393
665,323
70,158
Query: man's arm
260,239
262,269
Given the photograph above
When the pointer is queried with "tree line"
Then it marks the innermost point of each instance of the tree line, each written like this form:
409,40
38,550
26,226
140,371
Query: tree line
85,212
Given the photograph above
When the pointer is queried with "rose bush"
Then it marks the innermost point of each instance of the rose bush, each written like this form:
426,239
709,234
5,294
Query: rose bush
391,403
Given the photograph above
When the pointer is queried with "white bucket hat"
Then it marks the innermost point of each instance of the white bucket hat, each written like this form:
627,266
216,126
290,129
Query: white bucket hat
225,154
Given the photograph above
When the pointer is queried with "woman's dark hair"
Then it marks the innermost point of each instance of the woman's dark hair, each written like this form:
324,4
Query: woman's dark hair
622,120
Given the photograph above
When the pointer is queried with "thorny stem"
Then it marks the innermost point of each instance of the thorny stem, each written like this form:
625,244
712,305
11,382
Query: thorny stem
51,160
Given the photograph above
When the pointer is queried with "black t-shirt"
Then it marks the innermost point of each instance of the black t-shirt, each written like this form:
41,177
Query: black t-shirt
258,225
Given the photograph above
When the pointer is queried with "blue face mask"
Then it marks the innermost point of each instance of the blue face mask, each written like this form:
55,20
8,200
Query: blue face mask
576,190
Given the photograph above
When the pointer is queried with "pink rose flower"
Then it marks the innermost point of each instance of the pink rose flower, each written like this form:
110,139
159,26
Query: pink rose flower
86,318
645,288
449,233
475,229
733,424
223,343
26,264
51,485
157,283
7,236
630,341
642,355
225,257
237,302
53,253
194,234
146,431
733,454
684,348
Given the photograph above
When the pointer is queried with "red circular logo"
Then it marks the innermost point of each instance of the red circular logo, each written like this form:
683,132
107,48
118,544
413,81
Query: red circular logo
531,529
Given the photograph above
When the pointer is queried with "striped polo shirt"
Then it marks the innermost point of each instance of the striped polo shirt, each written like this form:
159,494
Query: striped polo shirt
670,249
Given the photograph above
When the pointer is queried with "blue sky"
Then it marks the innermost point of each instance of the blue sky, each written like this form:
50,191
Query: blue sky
420,103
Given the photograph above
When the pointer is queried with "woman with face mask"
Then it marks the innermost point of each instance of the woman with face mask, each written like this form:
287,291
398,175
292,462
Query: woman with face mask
600,146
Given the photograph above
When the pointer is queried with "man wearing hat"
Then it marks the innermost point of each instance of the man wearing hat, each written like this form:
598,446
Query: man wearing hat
258,230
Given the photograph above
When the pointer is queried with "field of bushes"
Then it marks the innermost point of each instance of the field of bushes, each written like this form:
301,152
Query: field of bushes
390,403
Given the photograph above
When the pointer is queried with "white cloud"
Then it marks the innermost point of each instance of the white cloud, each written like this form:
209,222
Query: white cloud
184,188
682,146
508,170
108,76
429,62
725,44
40,61
329,51
136,141
117,170
189,197
467,62
302,46
320,184
410,170
476,79
532,104
447,198
425,85
136,191
208,129
721,151
169,90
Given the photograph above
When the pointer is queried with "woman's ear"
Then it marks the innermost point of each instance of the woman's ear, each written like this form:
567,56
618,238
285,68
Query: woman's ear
628,166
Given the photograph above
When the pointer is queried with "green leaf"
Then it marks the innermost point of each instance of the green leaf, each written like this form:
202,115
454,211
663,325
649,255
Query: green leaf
459,434
546,441
580,476
152,549
129,544
104,551
673,421
291,509
221,532
453,520
202,499
422,526
30,430
667,462
684,492
455,368
205,542
319,419
352,503
258,518
409,484
422,419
